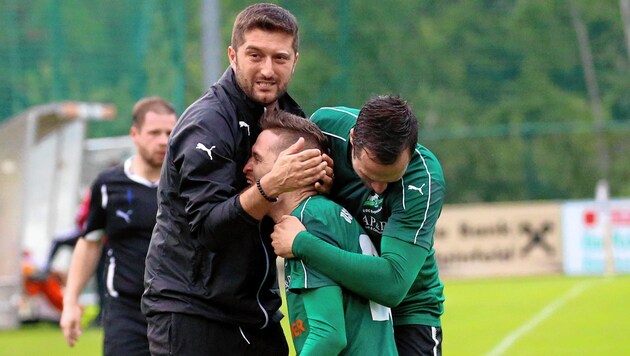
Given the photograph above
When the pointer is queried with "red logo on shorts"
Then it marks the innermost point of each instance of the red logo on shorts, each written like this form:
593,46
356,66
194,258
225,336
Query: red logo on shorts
297,328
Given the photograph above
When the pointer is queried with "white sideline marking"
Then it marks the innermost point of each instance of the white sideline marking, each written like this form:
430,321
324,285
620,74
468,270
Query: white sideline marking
540,317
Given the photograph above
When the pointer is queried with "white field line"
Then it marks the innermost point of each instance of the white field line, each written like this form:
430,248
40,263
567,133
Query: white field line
540,317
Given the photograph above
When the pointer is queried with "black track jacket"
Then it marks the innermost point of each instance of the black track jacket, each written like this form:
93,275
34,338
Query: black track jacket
207,256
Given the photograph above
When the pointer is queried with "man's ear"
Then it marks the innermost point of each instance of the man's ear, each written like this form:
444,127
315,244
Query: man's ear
133,132
352,136
297,56
232,57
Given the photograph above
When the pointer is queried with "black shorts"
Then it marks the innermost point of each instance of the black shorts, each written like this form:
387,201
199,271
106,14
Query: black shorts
183,334
125,328
418,340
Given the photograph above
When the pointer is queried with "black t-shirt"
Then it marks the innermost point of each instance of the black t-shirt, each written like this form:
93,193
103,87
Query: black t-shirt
123,206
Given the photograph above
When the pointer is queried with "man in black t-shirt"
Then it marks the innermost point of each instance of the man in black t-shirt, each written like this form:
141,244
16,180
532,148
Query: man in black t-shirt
123,207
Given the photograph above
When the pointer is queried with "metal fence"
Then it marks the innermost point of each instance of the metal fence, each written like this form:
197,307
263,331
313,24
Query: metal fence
113,51
498,87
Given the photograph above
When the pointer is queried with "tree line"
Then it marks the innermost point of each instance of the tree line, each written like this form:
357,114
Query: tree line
519,99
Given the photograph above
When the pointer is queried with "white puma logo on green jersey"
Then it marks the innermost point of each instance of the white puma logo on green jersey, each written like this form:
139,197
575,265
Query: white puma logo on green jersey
411,187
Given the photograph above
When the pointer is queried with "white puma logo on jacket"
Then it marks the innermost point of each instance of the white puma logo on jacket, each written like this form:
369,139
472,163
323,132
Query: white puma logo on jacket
201,146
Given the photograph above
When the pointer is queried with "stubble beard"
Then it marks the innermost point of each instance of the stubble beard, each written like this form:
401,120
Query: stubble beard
248,88
151,160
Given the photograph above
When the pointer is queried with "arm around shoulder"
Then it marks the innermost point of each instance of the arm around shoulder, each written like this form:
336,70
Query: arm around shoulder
398,266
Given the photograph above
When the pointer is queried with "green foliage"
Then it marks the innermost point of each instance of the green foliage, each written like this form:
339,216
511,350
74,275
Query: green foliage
491,81
115,51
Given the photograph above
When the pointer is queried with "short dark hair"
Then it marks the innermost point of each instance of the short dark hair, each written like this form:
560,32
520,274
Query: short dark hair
152,103
266,17
291,127
386,126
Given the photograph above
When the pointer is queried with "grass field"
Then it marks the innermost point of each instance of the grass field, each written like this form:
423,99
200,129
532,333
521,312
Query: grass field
538,316
520,316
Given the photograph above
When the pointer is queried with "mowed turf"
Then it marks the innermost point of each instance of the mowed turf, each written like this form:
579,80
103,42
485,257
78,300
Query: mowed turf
47,339
552,315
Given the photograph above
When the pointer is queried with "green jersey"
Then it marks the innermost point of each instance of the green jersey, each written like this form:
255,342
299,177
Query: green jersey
368,326
407,210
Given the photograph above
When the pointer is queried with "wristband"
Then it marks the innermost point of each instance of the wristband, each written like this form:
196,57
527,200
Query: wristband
262,192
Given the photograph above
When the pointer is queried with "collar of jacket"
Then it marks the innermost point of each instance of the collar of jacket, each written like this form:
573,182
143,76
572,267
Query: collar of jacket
285,102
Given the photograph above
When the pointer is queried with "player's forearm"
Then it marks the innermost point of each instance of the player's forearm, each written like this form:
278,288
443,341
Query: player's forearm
254,203
84,261
385,280
327,334
248,207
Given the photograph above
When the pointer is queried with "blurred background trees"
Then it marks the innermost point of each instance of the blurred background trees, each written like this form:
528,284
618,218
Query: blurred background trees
500,87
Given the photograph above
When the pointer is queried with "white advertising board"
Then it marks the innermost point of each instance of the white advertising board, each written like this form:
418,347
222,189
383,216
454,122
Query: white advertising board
591,232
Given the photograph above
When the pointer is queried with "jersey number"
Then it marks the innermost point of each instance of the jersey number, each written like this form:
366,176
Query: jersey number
379,312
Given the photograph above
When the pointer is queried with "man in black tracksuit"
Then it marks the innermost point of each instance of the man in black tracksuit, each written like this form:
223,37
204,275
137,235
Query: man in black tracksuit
210,280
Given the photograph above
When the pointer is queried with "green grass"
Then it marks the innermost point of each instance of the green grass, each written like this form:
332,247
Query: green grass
566,316
47,339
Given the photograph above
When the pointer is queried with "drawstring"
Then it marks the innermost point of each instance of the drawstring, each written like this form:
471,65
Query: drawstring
244,337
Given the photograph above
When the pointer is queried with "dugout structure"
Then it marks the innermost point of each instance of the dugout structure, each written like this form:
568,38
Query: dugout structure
41,154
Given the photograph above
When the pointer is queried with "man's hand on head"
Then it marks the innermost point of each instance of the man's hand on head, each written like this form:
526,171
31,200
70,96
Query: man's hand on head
324,185
294,169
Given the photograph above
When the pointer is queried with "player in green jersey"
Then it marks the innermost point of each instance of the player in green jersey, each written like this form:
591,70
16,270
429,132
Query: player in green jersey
395,188
324,318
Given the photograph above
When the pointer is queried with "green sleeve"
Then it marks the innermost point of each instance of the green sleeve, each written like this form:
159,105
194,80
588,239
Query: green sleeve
397,267
324,310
